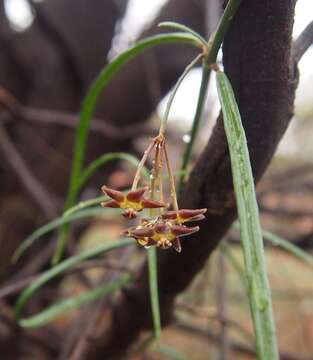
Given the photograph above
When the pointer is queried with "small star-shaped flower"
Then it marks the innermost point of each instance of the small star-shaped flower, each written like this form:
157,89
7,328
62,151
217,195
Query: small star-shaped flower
163,234
131,203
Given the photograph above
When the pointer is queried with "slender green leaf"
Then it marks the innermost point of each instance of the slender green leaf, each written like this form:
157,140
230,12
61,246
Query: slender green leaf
250,229
86,204
54,224
63,266
154,293
184,28
64,306
88,107
288,246
285,244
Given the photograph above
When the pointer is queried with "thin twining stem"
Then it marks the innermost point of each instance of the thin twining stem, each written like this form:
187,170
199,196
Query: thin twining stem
154,175
171,98
141,165
172,182
155,172
160,170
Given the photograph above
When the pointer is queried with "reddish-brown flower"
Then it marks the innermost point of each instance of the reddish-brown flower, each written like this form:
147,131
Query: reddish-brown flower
131,203
163,234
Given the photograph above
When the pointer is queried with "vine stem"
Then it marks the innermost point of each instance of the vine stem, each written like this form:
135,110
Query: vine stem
209,62
154,173
160,165
217,38
172,96
206,72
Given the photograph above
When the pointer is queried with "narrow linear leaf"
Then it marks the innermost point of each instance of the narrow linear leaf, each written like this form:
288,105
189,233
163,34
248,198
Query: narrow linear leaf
86,204
184,28
285,245
288,246
59,308
54,224
250,229
63,266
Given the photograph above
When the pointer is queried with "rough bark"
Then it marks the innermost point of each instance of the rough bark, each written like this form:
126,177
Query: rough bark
257,60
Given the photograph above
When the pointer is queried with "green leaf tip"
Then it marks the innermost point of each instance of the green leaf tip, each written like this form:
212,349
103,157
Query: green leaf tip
184,28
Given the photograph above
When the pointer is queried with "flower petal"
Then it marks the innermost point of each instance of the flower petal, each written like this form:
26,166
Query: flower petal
180,230
169,215
152,204
136,195
190,213
196,218
185,215
114,194
140,233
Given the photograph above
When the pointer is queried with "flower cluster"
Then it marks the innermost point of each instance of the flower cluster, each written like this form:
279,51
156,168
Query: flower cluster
164,227
164,231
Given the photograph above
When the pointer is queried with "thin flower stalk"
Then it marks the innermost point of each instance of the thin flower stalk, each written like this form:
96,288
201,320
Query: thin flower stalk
164,227
166,222
172,182
141,165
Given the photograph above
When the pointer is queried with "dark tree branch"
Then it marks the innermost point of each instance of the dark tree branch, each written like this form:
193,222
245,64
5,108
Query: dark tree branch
257,59
43,117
